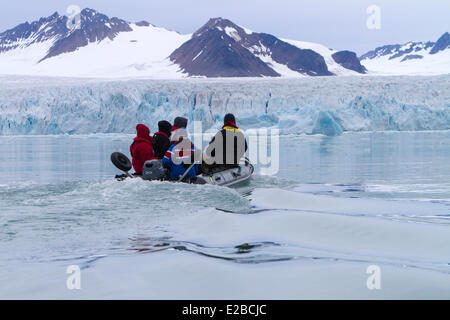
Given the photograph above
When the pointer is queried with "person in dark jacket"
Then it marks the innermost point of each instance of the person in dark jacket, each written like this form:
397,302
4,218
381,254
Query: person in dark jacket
226,148
161,139
141,149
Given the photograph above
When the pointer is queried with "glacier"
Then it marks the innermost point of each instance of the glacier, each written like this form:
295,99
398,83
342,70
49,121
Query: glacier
323,105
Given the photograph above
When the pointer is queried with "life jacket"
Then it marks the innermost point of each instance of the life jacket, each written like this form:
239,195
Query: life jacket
179,167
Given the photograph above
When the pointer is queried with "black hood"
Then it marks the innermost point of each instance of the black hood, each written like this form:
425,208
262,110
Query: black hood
229,118
165,126
180,122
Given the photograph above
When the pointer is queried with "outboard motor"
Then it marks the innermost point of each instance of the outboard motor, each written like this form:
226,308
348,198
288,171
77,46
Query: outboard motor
153,170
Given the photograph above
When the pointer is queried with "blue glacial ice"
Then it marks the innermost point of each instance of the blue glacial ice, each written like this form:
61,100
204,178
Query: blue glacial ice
329,106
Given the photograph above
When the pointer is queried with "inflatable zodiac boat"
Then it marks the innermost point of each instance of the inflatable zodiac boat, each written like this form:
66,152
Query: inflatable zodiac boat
154,170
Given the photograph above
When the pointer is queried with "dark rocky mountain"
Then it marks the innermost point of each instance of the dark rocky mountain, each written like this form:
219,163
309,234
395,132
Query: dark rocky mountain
381,51
412,57
212,53
349,60
143,23
442,43
94,27
26,34
222,49
304,61
411,49
397,50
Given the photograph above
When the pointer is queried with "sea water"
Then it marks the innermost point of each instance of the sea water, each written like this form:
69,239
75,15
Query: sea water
337,208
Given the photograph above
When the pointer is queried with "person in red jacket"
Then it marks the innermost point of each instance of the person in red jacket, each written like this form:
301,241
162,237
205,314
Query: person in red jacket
141,149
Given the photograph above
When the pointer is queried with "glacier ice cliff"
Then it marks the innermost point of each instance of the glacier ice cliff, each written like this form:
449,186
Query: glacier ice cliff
330,106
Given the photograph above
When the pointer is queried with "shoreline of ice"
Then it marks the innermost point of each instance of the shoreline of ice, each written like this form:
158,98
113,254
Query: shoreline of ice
329,106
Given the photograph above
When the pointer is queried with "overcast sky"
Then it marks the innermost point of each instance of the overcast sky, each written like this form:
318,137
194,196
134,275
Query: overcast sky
338,24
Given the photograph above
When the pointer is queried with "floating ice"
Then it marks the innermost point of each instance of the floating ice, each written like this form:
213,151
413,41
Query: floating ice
325,124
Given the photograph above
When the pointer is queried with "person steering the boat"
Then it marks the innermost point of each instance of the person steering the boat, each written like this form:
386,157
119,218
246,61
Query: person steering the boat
226,148
182,158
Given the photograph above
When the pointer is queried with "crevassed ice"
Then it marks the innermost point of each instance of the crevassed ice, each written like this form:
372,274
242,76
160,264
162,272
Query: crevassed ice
322,105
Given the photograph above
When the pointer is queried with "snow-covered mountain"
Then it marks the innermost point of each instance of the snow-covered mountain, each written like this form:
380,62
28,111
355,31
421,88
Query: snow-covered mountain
338,62
102,47
419,58
222,48
111,47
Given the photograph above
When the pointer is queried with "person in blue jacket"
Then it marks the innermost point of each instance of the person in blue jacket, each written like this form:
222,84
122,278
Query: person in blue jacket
181,154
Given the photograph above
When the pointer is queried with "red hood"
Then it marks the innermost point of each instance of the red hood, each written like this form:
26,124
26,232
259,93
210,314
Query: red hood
143,133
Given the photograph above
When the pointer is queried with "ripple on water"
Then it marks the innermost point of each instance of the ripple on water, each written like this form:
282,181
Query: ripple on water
82,218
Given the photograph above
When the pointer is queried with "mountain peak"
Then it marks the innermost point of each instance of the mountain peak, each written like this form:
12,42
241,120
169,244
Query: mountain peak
218,20
93,16
442,43
215,20
221,48
143,23
25,34
94,27
88,11
54,15
218,23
